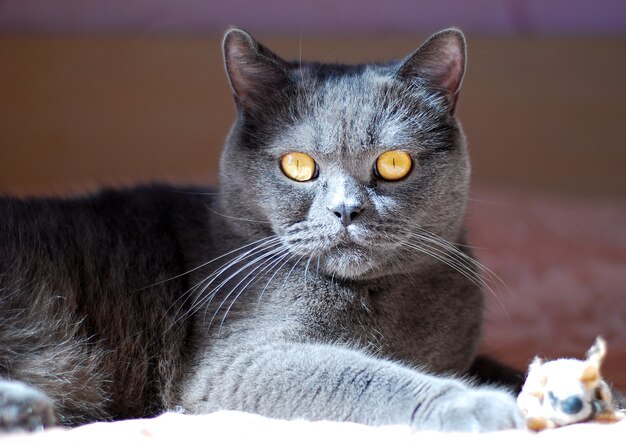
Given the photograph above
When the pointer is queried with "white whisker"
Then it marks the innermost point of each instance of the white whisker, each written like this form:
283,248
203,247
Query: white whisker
231,217
264,264
206,299
450,255
259,248
270,280
207,263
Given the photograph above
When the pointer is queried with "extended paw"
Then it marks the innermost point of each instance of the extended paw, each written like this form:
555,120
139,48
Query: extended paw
23,408
479,410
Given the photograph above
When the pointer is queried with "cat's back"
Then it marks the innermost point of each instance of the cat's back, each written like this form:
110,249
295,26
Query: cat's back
113,234
86,290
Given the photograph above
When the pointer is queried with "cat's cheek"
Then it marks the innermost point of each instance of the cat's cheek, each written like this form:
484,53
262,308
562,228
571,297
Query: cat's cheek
385,206
289,201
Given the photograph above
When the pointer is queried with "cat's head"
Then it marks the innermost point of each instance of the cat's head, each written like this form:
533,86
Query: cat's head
347,164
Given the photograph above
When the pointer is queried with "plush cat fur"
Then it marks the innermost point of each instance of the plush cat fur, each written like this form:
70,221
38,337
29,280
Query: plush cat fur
345,297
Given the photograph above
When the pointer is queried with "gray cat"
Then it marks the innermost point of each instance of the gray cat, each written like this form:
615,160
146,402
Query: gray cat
325,280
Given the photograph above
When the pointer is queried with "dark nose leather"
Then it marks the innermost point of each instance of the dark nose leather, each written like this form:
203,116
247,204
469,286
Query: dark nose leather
346,213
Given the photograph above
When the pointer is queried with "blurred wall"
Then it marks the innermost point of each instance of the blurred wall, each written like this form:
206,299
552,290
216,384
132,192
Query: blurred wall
321,17
115,92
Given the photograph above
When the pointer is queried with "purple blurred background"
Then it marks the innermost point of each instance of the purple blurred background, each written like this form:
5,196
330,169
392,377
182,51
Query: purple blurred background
517,17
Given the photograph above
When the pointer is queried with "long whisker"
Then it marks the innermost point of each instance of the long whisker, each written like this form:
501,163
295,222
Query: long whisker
265,222
259,248
467,262
256,250
267,265
207,263
306,269
489,274
270,242
317,270
447,260
258,304
268,257
207,298
292,268
460,262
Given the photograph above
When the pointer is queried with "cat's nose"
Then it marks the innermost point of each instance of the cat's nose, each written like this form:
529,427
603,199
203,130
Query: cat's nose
346,213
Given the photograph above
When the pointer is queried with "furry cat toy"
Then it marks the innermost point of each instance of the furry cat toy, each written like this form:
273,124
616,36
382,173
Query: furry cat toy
566,391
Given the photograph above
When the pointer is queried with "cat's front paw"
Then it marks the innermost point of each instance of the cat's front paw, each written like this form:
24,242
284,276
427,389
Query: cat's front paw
23,408
479,410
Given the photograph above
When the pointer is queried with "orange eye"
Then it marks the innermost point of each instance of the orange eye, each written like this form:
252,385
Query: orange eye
298,166
393,165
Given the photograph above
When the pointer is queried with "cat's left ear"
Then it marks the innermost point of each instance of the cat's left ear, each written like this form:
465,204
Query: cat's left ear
255,73
440,63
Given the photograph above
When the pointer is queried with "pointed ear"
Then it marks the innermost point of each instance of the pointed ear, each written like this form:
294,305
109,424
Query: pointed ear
597,351
440,62
535,364
536,373
254,72
591,374
536,379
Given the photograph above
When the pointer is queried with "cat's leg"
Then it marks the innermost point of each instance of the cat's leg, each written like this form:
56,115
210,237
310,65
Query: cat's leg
45,367
24,408
326,382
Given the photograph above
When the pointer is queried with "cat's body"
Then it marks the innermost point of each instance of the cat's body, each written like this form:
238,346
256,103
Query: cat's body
332,297
85,321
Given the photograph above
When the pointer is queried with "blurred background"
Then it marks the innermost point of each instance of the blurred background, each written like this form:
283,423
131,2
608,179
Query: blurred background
114,92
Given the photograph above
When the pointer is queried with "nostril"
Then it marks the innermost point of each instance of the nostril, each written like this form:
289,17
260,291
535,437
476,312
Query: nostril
572,405
346,213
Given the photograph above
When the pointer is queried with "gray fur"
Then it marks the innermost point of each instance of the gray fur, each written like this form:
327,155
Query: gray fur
257,297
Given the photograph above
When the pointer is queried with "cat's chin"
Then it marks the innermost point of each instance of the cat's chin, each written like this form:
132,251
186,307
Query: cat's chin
343,269
348,263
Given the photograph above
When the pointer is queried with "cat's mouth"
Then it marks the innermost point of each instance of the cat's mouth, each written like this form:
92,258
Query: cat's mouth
348,255
345,253
347,241
348,260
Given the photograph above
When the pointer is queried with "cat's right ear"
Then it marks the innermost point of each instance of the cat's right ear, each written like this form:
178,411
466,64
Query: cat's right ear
255,73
